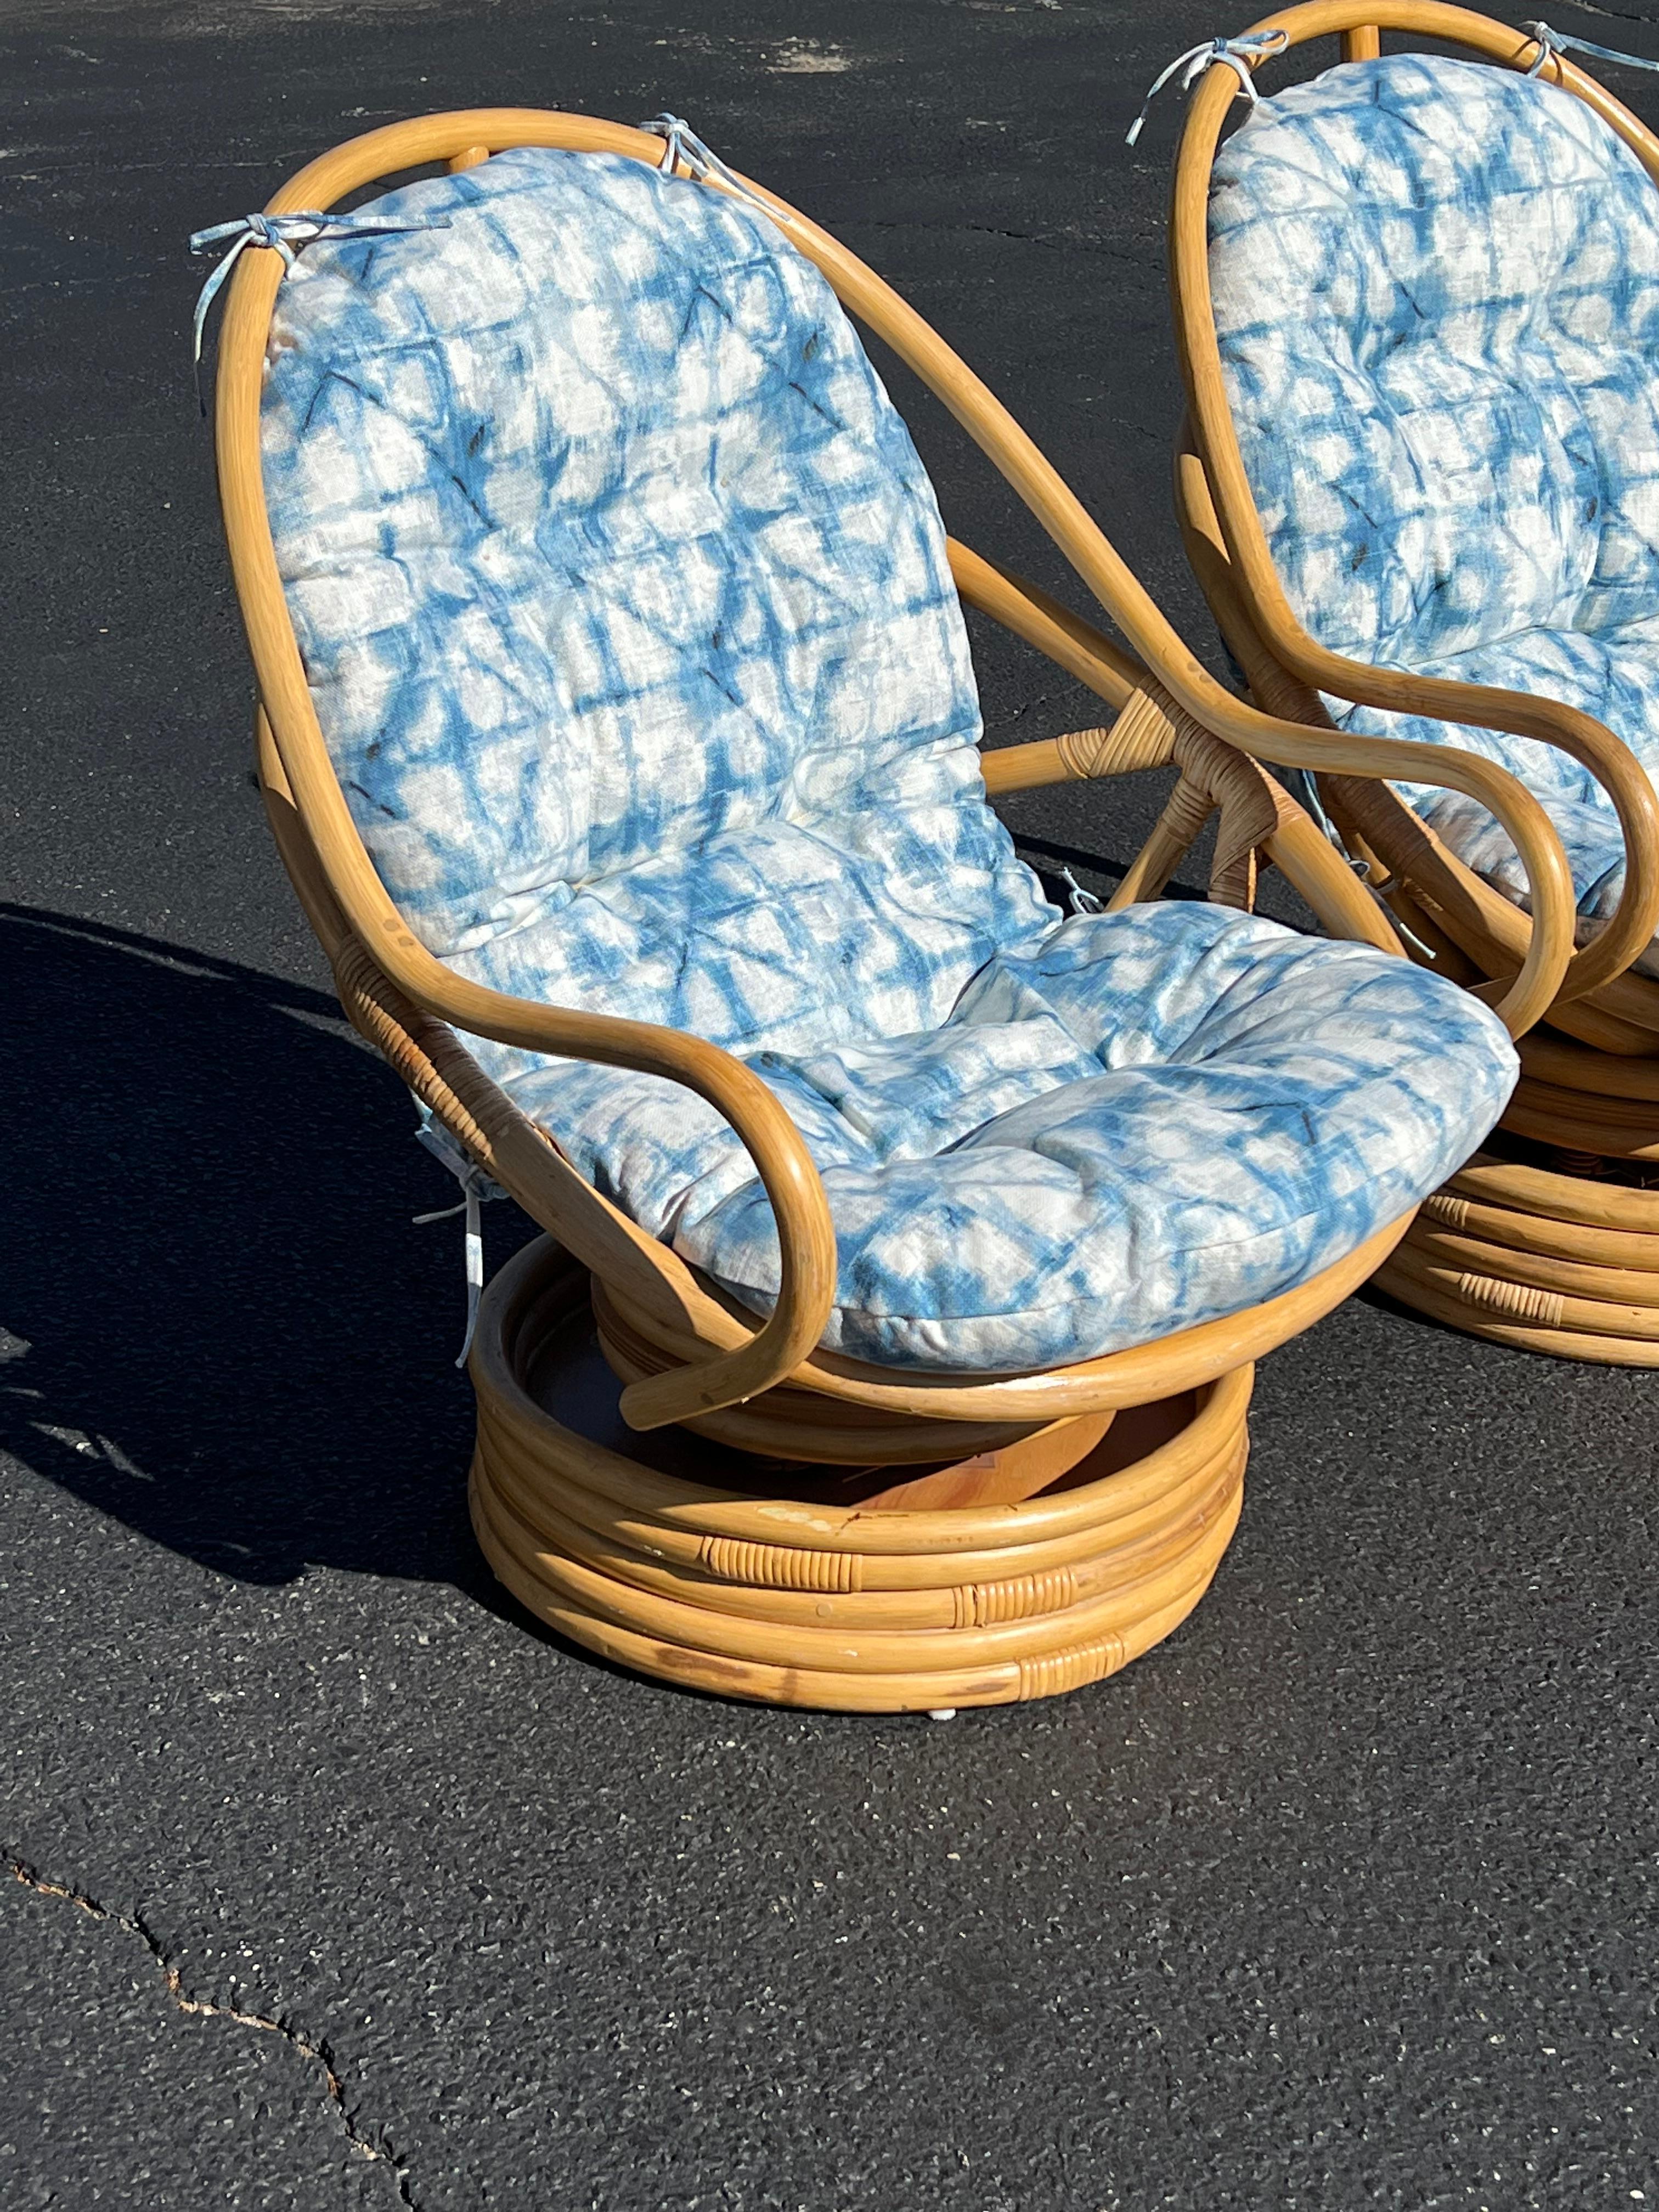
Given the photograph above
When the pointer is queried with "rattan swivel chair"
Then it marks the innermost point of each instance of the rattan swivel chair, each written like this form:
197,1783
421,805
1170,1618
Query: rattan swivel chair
1417,301
908,1244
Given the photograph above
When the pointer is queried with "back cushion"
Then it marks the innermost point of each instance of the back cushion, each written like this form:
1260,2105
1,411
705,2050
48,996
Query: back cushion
623,598
1437,288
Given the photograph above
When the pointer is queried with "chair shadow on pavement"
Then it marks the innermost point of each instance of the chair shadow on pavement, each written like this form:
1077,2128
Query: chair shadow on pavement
218,1324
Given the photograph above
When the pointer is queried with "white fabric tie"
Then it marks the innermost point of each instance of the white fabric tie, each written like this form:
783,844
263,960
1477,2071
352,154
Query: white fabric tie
1559,42
682,144
283,234
477,1186
1081,901
1236,54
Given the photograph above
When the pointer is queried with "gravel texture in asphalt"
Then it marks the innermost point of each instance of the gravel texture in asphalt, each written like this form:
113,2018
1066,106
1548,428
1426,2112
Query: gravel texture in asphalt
335,1881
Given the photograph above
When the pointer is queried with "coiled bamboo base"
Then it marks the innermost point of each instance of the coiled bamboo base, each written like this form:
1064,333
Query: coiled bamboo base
706,1567
1524,1254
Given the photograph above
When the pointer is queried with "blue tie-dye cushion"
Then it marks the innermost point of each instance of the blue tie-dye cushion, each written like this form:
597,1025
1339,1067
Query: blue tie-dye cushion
1437,288
623,597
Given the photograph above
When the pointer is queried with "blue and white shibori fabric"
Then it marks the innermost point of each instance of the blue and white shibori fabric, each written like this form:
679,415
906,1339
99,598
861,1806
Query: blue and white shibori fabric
1437,288
623,597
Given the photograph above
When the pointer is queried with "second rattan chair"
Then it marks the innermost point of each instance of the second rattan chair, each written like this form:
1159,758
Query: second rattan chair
1415,300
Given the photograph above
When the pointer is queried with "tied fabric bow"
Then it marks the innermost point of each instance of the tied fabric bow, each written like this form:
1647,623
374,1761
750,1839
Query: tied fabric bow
682,144
1236,54
1558,42
476,1187
282,233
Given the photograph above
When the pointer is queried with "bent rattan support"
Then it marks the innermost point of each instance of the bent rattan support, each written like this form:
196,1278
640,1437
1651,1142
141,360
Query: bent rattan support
591,1532
1589,1092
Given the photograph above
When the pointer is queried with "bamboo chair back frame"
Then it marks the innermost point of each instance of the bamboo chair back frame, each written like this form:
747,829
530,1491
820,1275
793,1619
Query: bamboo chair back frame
1600,1002
1168,708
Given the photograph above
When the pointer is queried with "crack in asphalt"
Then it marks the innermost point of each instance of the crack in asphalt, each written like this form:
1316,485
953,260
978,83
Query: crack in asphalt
1056,241
1612,14
318,2054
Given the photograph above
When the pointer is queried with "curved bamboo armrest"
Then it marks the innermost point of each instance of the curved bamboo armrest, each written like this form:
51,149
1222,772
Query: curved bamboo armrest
1225,508
1031,614
1550,954
806,1235
1635,921
1446,766
1299,850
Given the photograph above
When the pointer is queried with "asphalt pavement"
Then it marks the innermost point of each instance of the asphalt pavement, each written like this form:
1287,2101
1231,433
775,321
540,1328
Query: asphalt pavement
337,1883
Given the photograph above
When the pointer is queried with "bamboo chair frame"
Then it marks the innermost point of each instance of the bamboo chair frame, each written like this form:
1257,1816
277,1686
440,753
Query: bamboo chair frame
1589,1087
685,1354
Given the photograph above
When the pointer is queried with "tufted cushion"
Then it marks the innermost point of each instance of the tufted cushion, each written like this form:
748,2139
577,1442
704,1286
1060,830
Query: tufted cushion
1437,290
1132,1124
594,471
623,597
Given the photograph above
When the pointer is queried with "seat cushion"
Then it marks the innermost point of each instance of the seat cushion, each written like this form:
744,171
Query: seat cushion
624,599
1437,291
1142,1121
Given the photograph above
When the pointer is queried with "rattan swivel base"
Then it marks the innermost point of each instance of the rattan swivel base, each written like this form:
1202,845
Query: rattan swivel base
799,1585
1526,1255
